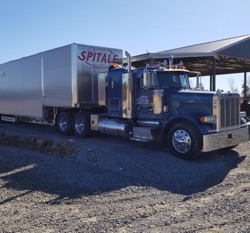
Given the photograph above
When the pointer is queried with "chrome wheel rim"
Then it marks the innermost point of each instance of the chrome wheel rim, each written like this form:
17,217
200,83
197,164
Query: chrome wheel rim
79,125
63,124
181,141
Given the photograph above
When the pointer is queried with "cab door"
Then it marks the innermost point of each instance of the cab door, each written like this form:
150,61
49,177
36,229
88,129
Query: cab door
114,94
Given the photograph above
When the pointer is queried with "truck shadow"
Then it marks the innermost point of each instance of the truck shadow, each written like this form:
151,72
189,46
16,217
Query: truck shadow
95,170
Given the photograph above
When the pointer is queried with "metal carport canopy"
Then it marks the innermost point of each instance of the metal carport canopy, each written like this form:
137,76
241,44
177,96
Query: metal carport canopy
227,56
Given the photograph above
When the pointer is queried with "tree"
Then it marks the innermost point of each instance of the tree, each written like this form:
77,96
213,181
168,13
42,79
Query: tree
247,89
200,86
230,82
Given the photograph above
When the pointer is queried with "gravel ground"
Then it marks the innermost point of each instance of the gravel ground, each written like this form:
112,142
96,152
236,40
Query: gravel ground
53,183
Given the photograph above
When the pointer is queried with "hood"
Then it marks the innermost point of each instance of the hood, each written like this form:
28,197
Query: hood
192,103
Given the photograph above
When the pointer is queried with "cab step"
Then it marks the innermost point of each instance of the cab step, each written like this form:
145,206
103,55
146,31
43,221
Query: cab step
144,134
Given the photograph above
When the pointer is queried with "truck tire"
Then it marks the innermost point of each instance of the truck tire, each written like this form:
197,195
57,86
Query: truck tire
81,124
64,123
185,140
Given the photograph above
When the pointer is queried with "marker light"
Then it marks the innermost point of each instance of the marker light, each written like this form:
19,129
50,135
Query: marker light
208,119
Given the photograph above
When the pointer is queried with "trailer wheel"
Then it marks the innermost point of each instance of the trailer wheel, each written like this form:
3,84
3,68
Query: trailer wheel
64,123
185,140
81,124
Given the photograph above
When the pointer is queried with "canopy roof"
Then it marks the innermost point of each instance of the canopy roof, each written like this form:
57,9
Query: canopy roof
225,56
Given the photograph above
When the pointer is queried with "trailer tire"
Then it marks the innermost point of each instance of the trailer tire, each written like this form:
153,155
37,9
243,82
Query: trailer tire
81,124
64,123
185,140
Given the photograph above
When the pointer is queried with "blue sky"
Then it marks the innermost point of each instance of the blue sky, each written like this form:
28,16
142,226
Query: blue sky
139,26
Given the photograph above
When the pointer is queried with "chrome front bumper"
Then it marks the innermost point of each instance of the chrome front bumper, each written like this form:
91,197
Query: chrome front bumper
225,139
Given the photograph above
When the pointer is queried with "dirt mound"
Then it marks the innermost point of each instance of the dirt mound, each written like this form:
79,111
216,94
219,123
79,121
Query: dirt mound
42,144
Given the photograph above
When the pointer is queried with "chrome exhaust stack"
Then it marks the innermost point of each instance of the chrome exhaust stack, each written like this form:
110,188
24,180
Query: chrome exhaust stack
129,60
128,82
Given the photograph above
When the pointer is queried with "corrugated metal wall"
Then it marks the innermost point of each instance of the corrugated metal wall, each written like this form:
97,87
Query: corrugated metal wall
240,50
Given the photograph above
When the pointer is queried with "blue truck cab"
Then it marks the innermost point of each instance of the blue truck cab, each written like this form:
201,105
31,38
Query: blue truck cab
157,103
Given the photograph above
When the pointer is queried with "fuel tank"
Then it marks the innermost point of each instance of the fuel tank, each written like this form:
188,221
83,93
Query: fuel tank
115,127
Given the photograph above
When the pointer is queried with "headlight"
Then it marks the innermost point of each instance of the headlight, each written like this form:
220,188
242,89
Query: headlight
243,114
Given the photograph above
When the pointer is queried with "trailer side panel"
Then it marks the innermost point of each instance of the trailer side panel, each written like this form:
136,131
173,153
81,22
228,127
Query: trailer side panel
64,77
20,87
58,78
90,61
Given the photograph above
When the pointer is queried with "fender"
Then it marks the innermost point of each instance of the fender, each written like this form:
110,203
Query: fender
203,128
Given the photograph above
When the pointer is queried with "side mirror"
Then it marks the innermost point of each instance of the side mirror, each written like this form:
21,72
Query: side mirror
146,80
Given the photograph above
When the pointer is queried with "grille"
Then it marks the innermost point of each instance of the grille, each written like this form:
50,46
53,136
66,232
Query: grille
229,110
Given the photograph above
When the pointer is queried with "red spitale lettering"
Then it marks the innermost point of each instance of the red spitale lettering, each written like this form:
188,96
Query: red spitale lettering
98,57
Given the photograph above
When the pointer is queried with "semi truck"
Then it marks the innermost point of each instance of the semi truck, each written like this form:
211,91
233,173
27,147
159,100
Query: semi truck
81,88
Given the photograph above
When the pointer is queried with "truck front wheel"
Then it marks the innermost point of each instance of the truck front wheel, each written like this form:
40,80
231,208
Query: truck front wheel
185,140
64,123
81,124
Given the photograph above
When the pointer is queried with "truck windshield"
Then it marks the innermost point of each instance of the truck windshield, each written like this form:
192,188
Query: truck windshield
177,80
185,84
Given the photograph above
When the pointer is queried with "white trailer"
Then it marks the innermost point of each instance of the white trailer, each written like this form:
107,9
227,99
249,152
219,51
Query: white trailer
40,87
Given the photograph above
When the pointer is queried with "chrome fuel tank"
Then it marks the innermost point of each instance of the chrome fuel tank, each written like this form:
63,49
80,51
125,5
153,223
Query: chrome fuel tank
115,127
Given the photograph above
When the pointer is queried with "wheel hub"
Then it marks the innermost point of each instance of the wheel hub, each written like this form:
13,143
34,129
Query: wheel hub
181,141
79,125
63,123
